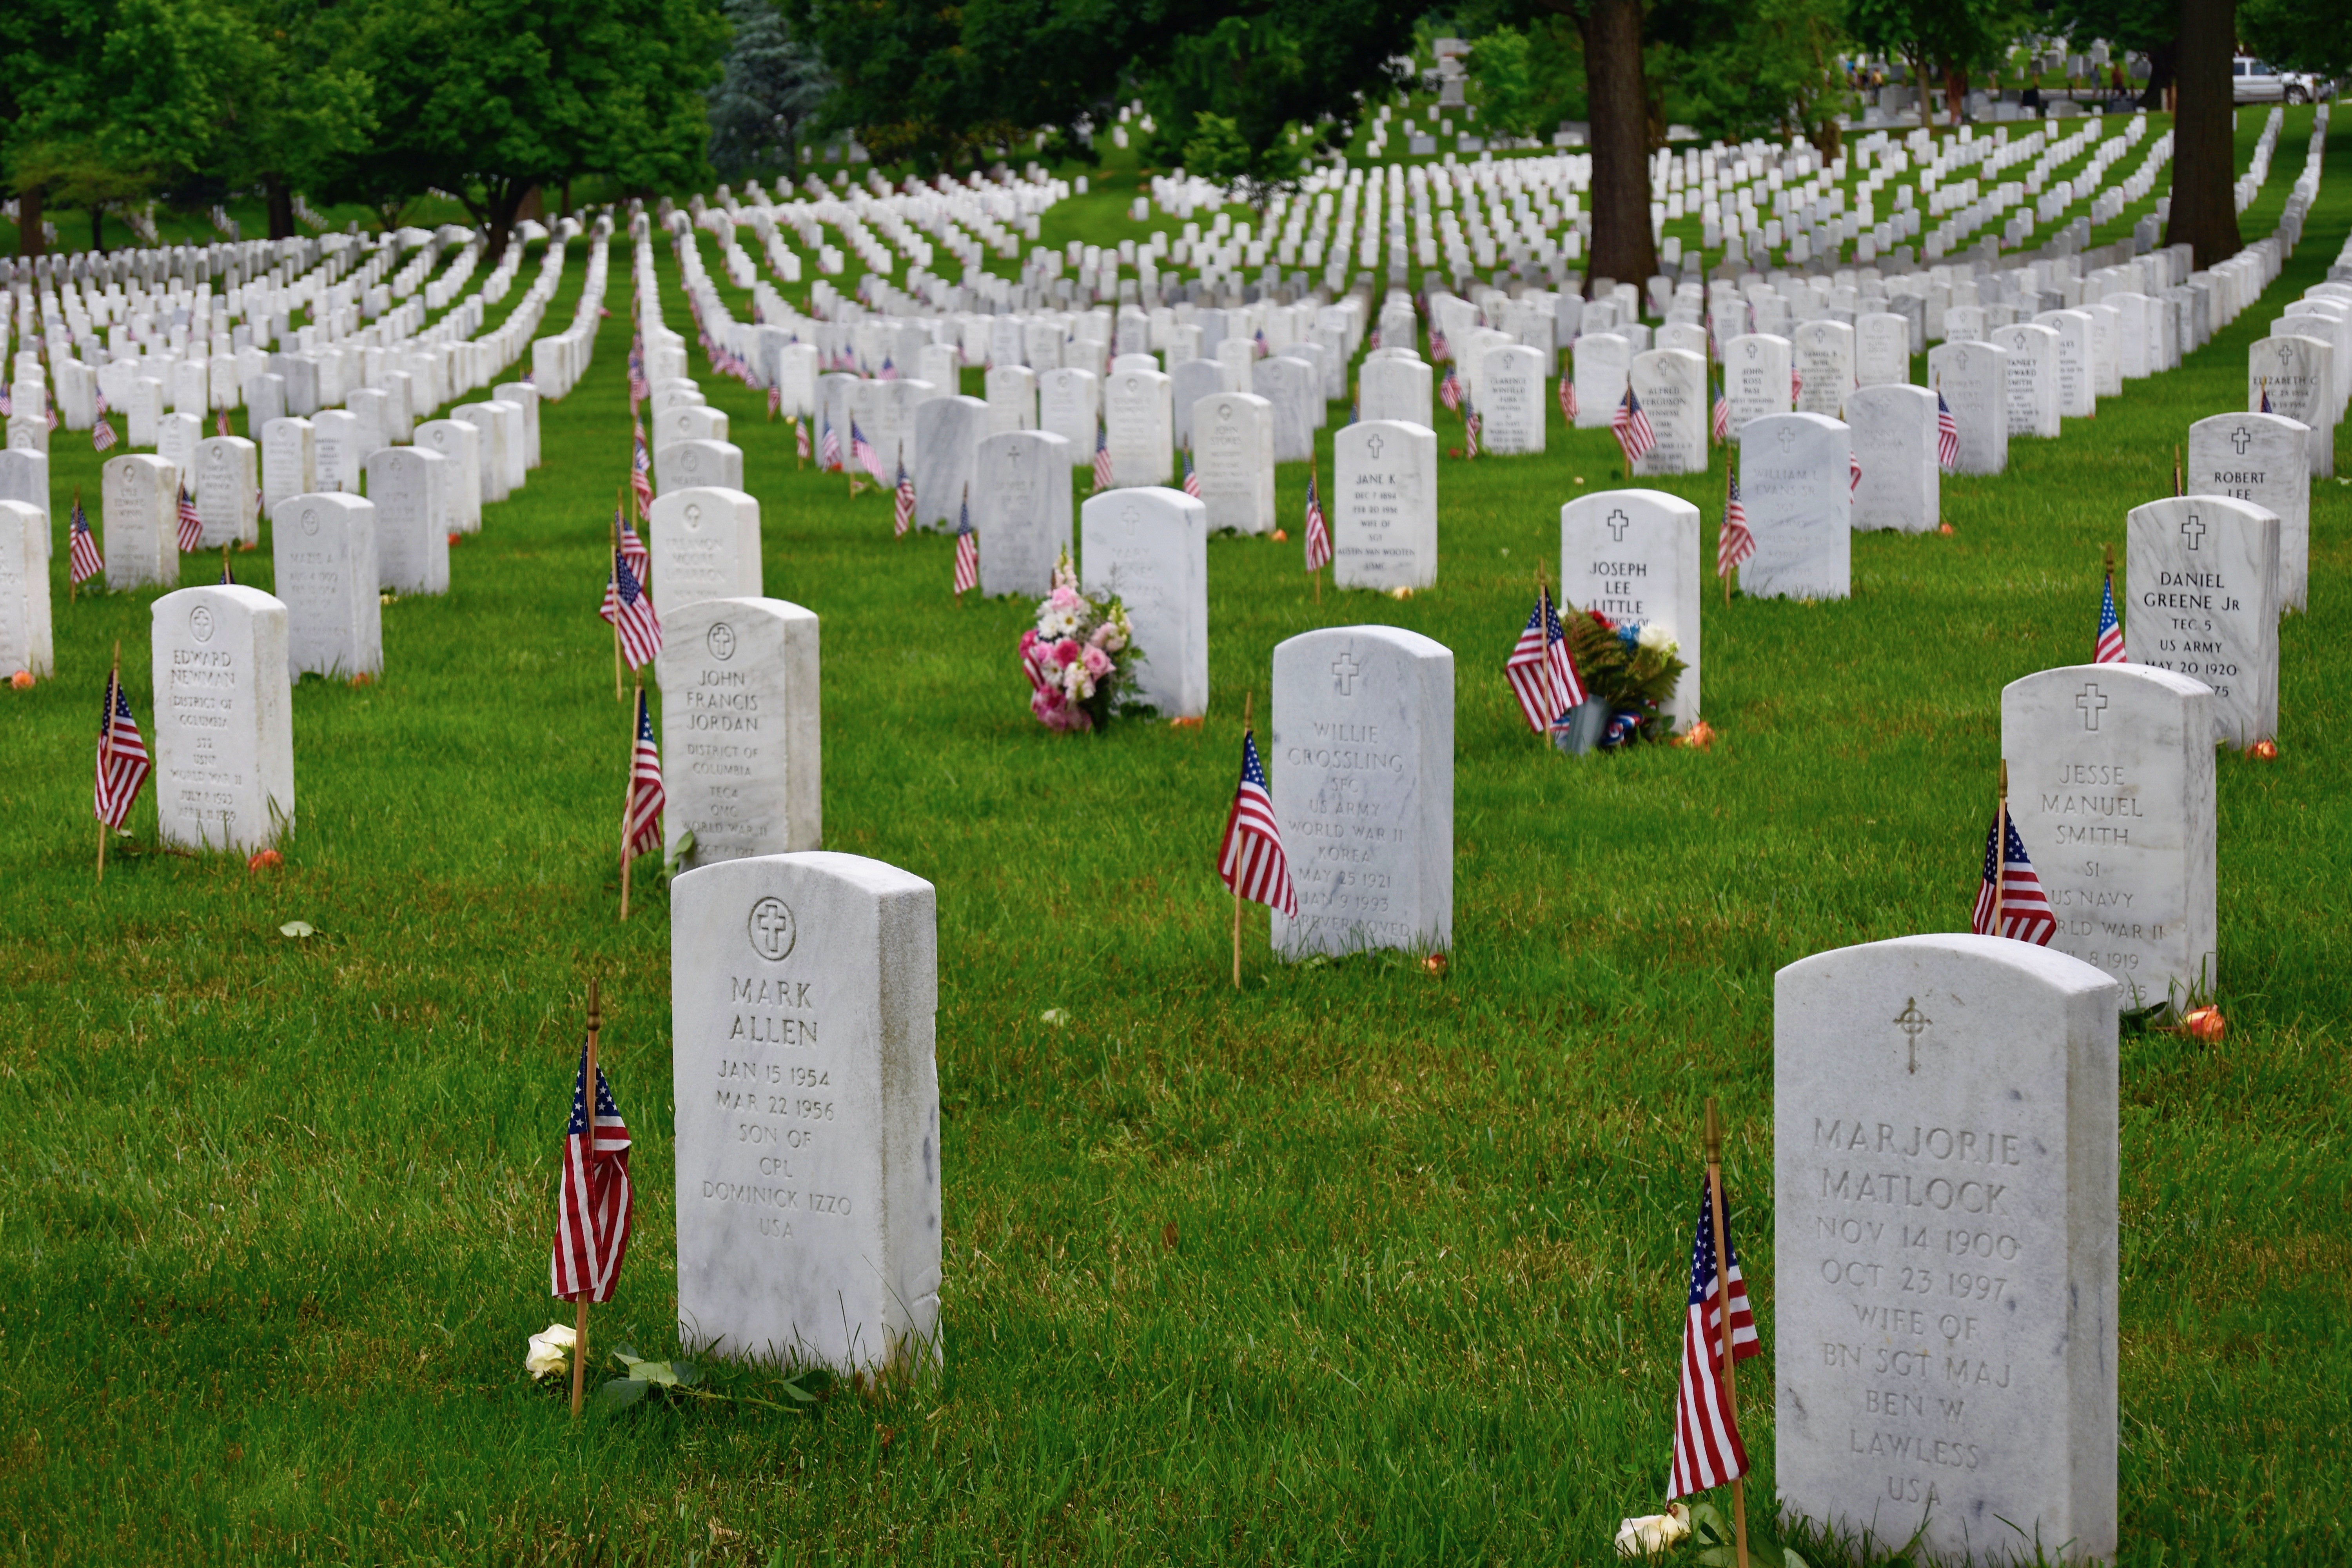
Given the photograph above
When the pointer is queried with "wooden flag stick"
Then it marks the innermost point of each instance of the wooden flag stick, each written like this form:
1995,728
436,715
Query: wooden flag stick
1249,700
615,579
579,1334
2001,847
1723,1309
2176,470
629,800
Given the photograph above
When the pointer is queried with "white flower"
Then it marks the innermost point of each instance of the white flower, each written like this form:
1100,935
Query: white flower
1653,1533
1056,624
1077,684
550,1352
1659,640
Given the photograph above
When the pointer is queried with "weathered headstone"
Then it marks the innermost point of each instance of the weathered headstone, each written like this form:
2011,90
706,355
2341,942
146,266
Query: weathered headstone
741,732
1395,386
1600,363
2031,379
803,995
704,544
1823,352
2262,459
1944,1194
1233,445
2111,785
462,445
690,465
2295,374
1974,380
323,548
1021,507
1633,555
1150,545
1882,348
1384,505
2202,573
224,720
226,490
25,640
1894,429
1138,420
140,537
410,489
1756,371
1291,388
1672,386
1796,483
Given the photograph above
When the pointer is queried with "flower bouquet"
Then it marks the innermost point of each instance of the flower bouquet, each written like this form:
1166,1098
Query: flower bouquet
1080,658
1629,671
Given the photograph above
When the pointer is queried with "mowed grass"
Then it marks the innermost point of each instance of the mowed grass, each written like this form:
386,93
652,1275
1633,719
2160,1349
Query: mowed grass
1359,1265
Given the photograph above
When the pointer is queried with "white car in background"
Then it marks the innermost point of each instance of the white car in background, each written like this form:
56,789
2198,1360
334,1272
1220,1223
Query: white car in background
2257,81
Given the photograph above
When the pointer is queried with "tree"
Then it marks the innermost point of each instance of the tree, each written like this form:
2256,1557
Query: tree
1950,39
2300,35
300,107
2150,27
492,99
2204,150
771,86
1501,66
1775,69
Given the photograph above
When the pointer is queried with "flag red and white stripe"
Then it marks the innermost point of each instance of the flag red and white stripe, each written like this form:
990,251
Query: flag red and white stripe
902,508
1948,435
631,609
1317,531
1251,859
1707,1450
192,527
84,561
1734,544
1192,477
123,764
645,818
2026,913
1102,457
1632,428
641,465
594,1204
967,555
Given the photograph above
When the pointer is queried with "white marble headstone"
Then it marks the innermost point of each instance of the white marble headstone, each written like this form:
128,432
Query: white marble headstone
1755,378
1672,386
140,532
1361,751
804,998
1383,505
224,722
1396,386
1233,445
1823,356
2295,373
323,550
1796,483
1894,441
227,491
1509,397
462,445
1020,509
2261,458
1600,363
1150,545
27,641
946,430
1974,380
1138,420
741,732
1633,555
686,465
410,488
704,544
2202,578
2033,378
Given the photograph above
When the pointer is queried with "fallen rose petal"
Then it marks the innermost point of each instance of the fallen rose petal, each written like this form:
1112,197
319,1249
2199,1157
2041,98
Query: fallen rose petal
22,680
264,861
2205,1024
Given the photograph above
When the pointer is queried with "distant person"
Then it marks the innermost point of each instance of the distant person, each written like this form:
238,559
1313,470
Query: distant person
2031,100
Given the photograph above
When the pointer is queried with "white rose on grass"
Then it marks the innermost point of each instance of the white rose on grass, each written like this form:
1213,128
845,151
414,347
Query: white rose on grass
1657,639
550,1351
1651,1534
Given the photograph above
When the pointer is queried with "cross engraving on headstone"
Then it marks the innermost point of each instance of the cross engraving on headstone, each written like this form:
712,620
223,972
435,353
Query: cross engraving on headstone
1618,523
1911,1021
2194,529
2241,438
1344,670
2091,699
1373,446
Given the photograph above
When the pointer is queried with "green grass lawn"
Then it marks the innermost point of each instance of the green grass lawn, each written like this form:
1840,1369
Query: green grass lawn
1359,1265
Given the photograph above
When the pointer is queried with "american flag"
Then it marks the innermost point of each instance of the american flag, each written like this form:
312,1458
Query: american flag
862,452
800,438
1632,428
1449,392
102,435
593,1205
1192,477
633,547
2025,909
2111,631
1707,1451
889,371
641,464
7,404
903,509
1251,861
644,826
1568,398
1852,470
1102,457
2266,408
967,560
639,390
1948,435
1796,384
1537,667
830,448
1469,432
1258,341
122,761
631,609
775,401
54,420
192,527
1722,413
1317,532
1734,544
85,562
1439,353
220,423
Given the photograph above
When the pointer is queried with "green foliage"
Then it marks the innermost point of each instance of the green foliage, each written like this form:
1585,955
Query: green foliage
1770,68
1218,151
772,85
1503,84
1622,674
2299,35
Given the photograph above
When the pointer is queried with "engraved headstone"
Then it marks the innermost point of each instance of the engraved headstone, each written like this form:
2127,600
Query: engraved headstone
2033,378
1069,404
1021,507
2261,458
1796,482
410,488
1360,750
1634,556
1396,386
335,450
2078,394
1756,369
1599,364
742,734
24,477
1672,386
462,445
1011,392
1233,446
224,722
1944,1194
1291,388
497,466
1384,505
686,465
2111,785
2295,373
804,997
323,548
1823,352
1894,441
1189,381
1882,348
1509,397
704,544
1139,421
25,641
289,460
141,529
2203,575
226,490
1150,545
1974,380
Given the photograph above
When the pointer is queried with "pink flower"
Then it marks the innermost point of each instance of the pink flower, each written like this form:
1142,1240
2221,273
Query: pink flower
1063,599
1028,641
1065,652
1097,663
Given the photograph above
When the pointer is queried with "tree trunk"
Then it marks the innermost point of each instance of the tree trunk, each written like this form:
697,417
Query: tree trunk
2204,155
1956,91
2163,61
503,200
32,239
281,202
1920,85
98,228
1622,247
